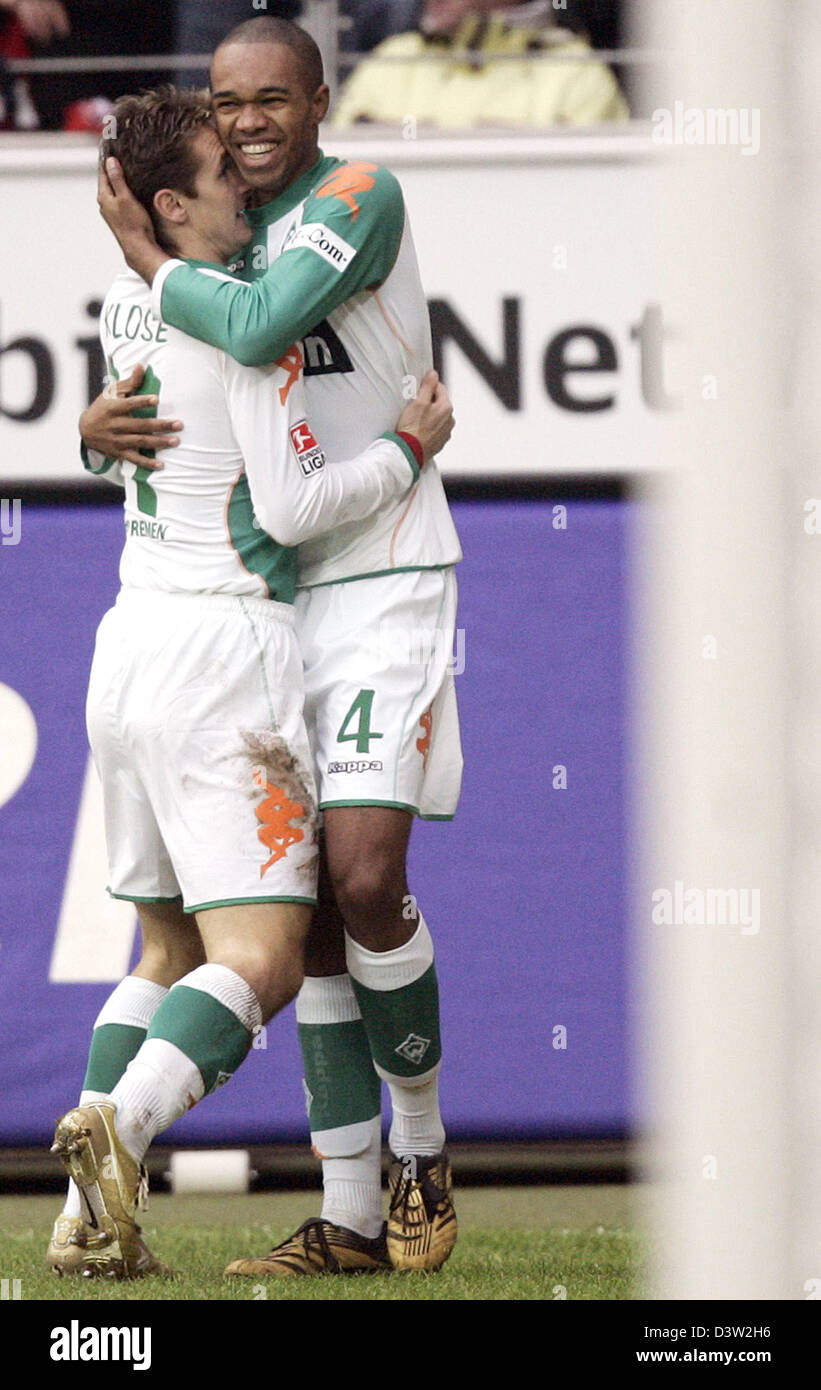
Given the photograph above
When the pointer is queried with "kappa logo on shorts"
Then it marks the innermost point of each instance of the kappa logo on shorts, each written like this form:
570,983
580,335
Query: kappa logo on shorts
423,743
306,448
413,1048
356,765
276,812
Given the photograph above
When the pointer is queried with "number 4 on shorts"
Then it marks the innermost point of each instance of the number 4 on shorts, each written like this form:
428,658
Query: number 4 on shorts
363,733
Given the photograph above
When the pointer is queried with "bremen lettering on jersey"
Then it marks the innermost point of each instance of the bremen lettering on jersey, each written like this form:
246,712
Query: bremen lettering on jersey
153,529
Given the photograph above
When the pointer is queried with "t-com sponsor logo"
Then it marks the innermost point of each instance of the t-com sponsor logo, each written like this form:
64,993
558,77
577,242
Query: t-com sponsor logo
319,238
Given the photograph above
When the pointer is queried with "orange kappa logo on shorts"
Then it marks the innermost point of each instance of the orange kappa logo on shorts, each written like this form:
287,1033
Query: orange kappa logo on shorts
345,182
275,812
423,743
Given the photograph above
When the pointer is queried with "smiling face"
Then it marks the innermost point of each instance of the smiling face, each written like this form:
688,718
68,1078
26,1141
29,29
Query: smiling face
210,225
266,116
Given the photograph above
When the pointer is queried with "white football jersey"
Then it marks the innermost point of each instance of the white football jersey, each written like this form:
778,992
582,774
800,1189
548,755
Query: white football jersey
248,481
333,265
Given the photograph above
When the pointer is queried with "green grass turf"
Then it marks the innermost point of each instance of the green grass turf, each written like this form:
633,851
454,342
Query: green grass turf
514,1244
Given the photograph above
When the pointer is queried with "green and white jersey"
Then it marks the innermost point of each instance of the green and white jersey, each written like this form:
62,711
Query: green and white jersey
333,266
248,480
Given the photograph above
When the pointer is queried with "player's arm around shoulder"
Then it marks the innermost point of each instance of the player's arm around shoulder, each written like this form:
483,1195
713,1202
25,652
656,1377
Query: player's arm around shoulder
347,242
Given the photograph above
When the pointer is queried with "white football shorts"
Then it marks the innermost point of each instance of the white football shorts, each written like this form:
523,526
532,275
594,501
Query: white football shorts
380,699
195,722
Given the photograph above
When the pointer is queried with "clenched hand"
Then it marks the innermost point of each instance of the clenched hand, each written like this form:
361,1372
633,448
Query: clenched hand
429,416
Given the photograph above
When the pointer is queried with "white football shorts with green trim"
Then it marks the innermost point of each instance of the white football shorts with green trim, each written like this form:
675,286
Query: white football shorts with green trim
195,721
380,698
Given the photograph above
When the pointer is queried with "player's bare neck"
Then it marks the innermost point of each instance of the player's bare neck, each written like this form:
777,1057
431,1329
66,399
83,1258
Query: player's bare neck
193,247
260,197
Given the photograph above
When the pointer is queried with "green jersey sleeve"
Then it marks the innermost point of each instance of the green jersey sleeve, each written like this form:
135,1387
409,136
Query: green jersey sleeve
347,242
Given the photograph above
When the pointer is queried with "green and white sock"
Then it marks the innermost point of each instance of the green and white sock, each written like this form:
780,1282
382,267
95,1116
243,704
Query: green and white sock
398,997
344,1097
198,1037
119,1031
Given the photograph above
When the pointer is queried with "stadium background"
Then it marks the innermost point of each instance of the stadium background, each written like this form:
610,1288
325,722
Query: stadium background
579,290
550,337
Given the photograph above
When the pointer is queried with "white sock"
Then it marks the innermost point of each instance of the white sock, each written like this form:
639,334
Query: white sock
417,1126
384,970
352,1186
163,1082
159,1086
134,1003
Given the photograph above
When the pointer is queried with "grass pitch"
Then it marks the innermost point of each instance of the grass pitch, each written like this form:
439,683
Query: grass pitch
517,1244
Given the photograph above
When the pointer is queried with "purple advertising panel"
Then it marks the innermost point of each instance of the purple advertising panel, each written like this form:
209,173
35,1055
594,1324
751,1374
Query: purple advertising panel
524,892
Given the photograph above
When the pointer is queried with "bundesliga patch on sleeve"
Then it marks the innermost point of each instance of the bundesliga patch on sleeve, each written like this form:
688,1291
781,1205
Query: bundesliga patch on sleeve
308,452
319,238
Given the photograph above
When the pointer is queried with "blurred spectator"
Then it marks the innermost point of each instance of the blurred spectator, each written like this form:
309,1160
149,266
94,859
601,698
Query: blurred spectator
89,115
201,26
434,88
41,20
100,28
369,22
598,20
20,21
601,23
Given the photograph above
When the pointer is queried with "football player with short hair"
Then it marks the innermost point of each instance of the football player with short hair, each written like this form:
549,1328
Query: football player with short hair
332,263
195,704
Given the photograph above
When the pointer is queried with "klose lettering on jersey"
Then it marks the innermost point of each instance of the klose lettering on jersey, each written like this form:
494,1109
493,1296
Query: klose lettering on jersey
133,321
